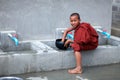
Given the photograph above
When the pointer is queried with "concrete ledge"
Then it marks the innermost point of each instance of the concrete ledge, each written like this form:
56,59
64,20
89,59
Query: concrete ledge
25,63
101,56
40,60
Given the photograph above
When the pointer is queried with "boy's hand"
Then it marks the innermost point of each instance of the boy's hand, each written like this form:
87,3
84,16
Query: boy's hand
68,42
62,40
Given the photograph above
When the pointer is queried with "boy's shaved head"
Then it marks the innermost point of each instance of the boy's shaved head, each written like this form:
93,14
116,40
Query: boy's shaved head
75,14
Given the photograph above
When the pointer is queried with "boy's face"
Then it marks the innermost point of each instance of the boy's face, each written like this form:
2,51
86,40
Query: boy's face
74,21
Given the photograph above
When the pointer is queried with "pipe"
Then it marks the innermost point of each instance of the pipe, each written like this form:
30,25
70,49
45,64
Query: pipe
104,33
70,36
14,39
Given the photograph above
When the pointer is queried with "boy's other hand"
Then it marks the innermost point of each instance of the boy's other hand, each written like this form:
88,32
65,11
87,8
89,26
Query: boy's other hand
68,42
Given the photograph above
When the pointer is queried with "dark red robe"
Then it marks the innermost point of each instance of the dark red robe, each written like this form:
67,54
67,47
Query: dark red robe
85,37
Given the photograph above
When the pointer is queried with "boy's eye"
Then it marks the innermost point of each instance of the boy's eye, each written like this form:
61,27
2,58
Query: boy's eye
73,20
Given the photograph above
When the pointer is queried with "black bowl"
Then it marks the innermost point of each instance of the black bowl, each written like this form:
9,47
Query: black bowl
60,45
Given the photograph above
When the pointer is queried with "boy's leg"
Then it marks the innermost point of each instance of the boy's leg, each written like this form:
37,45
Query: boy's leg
77,48
78,68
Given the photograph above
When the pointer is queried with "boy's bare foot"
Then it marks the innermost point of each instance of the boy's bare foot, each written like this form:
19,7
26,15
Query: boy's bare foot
75,71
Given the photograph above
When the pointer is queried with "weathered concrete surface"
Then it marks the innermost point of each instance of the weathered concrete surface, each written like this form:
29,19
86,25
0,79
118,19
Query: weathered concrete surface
108,72
38,19
51,59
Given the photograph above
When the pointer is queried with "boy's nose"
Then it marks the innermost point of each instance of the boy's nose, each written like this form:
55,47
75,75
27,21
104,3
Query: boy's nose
73,23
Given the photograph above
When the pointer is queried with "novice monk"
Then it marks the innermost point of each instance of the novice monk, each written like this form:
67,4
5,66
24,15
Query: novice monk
85,38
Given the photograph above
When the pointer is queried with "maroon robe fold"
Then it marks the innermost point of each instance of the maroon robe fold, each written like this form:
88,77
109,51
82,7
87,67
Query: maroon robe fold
85,37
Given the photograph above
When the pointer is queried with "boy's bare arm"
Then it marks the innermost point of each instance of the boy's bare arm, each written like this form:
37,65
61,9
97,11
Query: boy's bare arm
65,33
68,42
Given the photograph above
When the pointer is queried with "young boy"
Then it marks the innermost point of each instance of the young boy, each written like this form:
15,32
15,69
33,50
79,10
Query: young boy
85,38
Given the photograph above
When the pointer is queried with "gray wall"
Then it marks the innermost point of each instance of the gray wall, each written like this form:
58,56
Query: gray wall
38,19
